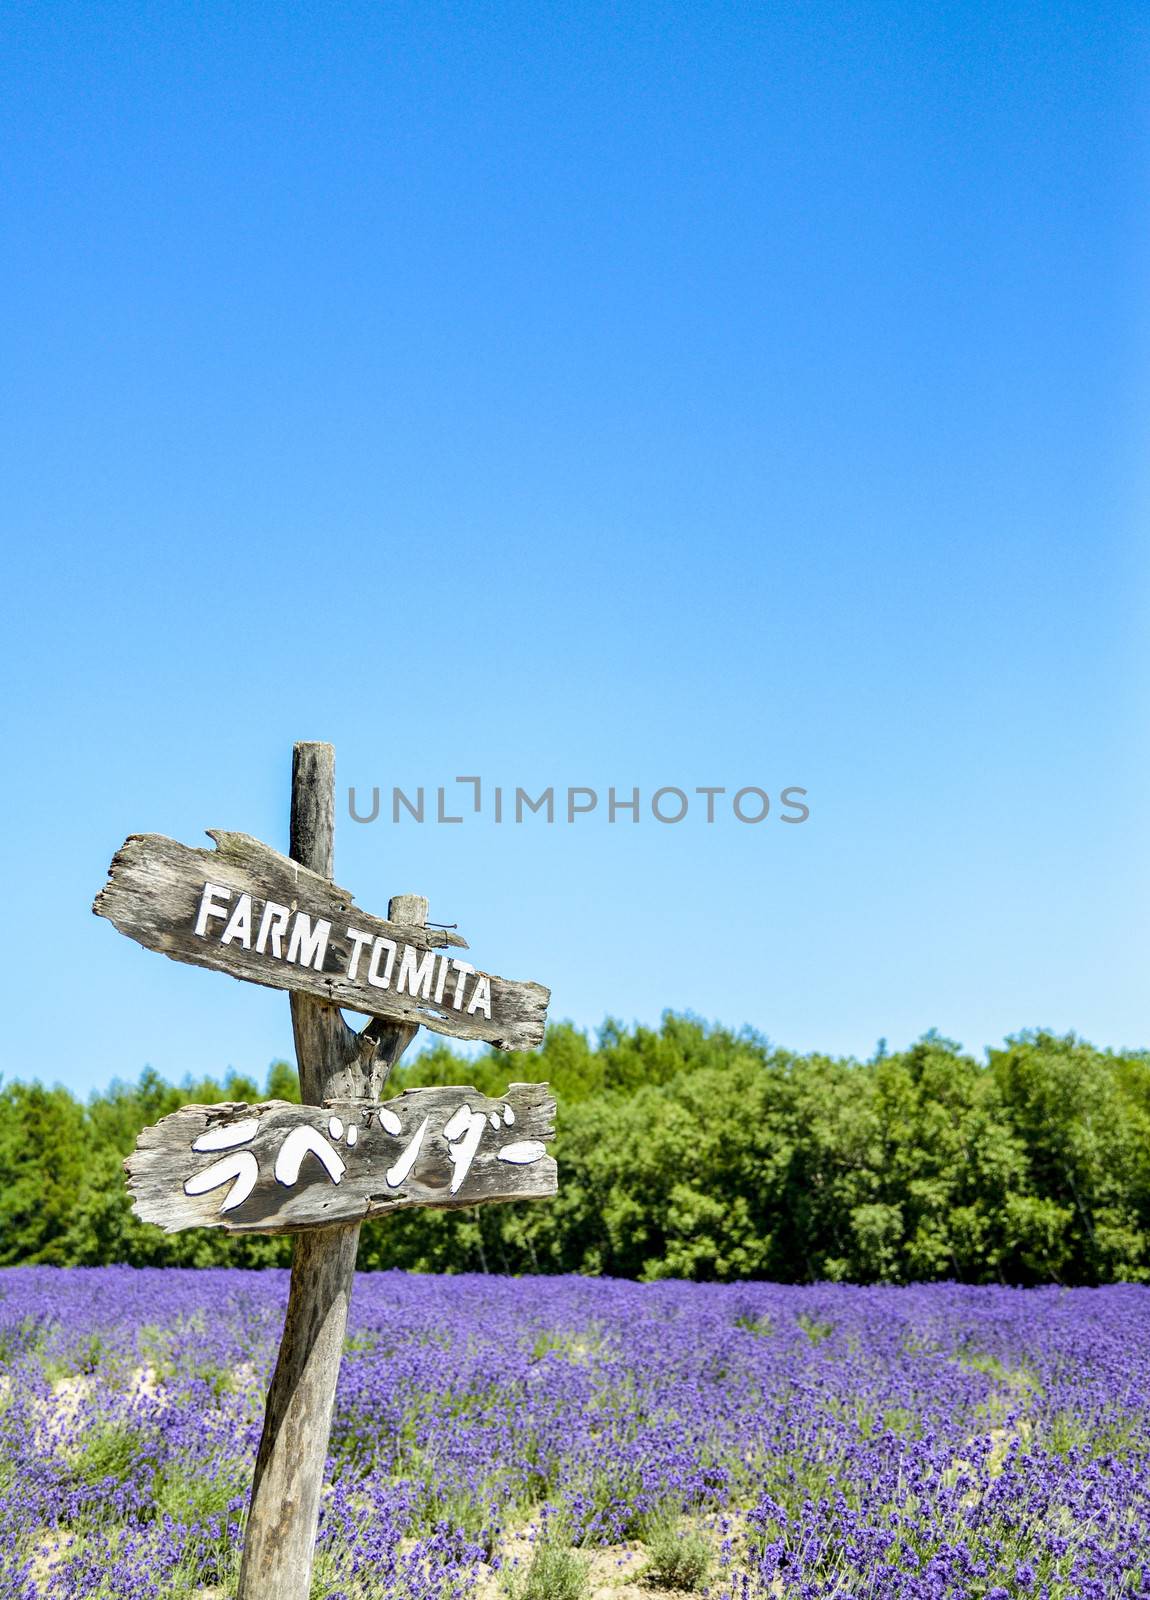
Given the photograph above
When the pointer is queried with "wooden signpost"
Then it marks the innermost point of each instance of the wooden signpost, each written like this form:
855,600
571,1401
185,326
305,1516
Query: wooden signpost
316,1170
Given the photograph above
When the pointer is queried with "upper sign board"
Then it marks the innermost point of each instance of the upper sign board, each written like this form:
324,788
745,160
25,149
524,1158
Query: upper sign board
246,910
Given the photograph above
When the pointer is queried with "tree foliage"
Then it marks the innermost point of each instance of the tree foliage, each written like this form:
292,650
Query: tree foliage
691,1151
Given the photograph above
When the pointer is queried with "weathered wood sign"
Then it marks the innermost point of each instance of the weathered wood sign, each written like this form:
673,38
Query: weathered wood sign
246,910
317,1170
278,1167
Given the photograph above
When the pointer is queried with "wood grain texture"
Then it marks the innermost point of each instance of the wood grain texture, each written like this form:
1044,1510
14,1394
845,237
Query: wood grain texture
154,895
331,1058
508,1161
283,1512
279,1537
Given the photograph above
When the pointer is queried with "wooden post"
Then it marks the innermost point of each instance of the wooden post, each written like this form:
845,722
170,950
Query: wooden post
334,1063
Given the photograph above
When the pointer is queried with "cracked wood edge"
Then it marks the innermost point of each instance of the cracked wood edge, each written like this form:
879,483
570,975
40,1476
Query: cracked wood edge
153,896
164,1160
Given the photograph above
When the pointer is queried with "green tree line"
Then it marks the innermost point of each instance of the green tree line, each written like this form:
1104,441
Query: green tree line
690,1151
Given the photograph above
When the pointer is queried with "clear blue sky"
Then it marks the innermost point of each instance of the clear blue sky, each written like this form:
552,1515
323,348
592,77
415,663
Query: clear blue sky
681,394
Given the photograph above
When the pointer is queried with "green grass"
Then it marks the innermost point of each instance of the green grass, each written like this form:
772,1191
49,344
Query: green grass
1019,1379
109,1450
1064,1431
197,1497
175,1362
573,1345
618,1489
82,1360
364,1342
21,1338
465,1510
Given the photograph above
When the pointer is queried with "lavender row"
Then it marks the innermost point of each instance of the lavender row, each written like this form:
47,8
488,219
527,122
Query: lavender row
827,1441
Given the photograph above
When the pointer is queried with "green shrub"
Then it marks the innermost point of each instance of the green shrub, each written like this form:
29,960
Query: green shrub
555,1572
681,1558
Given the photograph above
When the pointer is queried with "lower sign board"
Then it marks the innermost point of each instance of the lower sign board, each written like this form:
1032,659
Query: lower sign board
279,1168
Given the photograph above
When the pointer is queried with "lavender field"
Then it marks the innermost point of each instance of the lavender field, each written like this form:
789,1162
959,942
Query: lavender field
557,1437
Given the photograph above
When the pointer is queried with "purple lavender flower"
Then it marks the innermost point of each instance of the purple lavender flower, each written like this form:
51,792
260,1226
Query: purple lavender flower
831,1442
